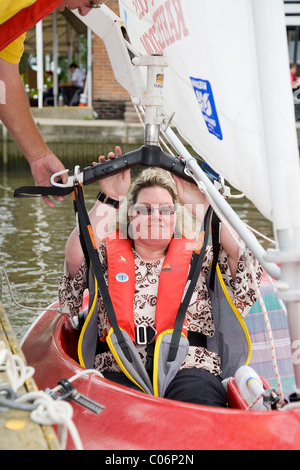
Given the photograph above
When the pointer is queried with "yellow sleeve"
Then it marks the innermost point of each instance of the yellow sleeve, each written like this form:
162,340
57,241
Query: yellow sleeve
13,52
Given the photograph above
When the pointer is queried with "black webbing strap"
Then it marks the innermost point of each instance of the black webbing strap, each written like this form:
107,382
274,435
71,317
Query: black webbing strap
195,339
192,279
89,247
215,232
80,194
35,191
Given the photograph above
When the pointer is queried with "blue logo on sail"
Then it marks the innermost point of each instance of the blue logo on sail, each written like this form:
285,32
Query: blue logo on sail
205,98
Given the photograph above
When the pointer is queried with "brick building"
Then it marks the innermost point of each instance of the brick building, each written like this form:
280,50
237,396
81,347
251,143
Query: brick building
109,97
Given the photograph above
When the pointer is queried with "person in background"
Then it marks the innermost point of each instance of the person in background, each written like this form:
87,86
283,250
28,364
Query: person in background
17,17
76,84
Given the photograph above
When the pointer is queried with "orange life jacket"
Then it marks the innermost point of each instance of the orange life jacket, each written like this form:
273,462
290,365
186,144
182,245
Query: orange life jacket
172,282
24,20
171,287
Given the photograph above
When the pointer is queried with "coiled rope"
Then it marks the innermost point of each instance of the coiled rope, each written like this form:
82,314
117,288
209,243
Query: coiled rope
44,410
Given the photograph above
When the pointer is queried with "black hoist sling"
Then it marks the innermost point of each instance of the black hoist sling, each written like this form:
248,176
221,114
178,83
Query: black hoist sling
91,254
92,258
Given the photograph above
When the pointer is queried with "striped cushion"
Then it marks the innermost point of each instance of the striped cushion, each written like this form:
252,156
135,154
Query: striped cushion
261,359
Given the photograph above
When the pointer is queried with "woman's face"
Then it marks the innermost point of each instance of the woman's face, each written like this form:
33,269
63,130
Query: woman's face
152,217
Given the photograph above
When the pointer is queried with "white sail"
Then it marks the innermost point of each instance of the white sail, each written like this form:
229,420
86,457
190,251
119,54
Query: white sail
224,108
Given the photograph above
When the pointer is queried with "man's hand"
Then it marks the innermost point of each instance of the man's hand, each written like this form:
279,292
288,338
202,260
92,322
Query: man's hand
43,168
16,116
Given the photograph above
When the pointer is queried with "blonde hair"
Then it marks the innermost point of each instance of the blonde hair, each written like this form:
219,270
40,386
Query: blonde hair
186,224
152,177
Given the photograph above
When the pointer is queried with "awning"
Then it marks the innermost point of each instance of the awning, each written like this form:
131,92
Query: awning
68,26
57,35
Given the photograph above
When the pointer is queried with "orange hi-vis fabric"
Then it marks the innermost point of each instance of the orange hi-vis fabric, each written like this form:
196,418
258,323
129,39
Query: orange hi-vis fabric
172,282
23,20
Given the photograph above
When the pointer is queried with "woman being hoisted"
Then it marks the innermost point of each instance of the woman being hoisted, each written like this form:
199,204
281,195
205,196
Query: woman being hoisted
167,348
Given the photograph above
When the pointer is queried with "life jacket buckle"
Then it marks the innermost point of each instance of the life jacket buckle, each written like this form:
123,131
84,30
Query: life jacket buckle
141,335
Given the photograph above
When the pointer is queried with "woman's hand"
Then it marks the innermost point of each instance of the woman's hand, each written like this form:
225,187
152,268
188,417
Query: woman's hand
116,186
194,200
101,215
190,196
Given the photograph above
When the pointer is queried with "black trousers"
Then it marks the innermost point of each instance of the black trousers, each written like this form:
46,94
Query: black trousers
189,385
68,92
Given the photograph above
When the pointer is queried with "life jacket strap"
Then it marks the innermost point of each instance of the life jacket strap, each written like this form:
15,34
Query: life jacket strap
195,339
144,336
216,243
92,257
192,280
36,191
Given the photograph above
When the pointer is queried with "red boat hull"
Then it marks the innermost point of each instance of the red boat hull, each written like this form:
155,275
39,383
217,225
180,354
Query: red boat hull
133,420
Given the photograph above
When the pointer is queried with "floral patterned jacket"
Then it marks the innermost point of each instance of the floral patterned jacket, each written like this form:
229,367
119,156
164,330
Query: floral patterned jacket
198,318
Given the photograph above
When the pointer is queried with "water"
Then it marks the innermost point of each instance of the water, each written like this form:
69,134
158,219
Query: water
32,241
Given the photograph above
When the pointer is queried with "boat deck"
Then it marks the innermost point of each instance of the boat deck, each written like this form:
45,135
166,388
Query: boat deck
17,430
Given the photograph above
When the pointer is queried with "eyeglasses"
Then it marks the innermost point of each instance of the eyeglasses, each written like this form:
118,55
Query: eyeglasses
149,210
93,4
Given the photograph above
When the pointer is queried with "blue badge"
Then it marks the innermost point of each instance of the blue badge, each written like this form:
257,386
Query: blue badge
122,277
207,105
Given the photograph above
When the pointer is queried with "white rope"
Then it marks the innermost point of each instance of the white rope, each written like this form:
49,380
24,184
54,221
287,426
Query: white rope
17,372
269,333
272,346
47,410
261,234
282,304
79,374
256,400
4,273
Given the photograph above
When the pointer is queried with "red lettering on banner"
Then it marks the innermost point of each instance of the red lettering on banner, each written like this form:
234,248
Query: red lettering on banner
146,44
141,8
180,19
162,27
172,25
150,43
152,34
169,25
